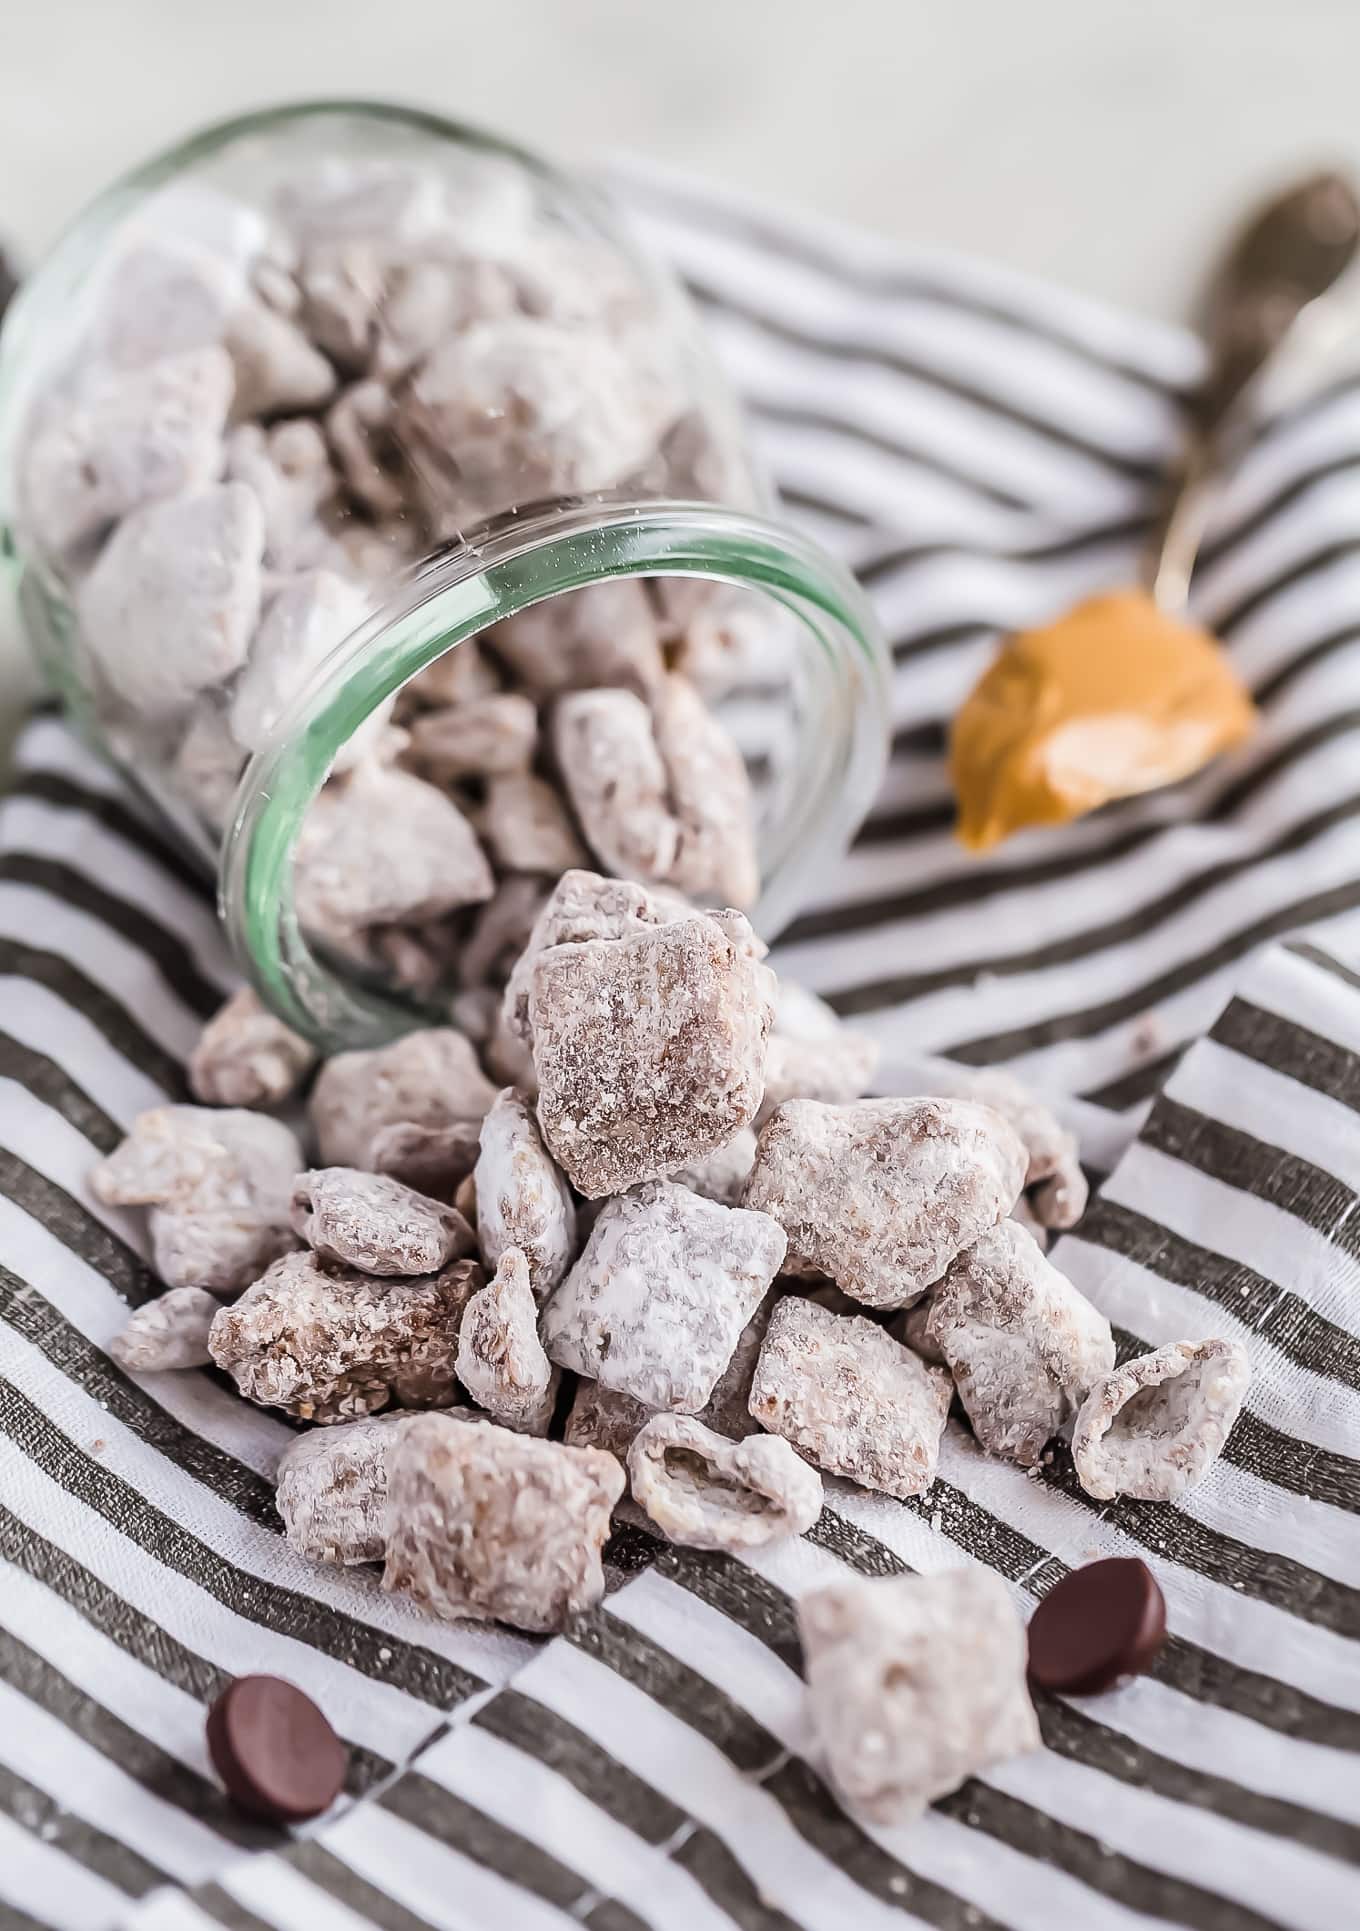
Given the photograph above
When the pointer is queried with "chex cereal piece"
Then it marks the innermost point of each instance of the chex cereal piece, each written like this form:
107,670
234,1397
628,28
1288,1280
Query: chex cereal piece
246,1057
1054,1168
200,1158
218,1183
603,1418
501,1361
222,1250
710,796
477,739
122,438
353,872
483,1522
169,1332
661,1293
1023,1345
915,1683
710,1493
374,1223
606,751
426,1078
170,606
161,298
649,1051
522,1200
882,1194
582,905
431,1159
332,1489
604,635
331,1344
532,411
850,1398
1154,1427
527,827
278,371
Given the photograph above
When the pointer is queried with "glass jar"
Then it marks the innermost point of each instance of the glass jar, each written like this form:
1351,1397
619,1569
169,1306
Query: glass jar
312,401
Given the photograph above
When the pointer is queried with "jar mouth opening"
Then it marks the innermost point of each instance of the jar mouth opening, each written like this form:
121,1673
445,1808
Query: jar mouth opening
494,573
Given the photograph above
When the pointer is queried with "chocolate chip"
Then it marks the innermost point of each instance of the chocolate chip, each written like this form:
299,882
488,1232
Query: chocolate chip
1100,1623
275,1752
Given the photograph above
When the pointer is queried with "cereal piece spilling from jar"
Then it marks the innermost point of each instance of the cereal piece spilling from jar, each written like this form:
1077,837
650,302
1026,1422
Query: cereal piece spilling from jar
882,1195
246,1057
169,1332
656,1303
218,1185
582,905
850,1398
374,1223
427,1078
1055,1185
649,1050
1024,1347
500,1359
915,1683
1154,1427
483,1522
331,1344
522,1200
332,1489
707,1492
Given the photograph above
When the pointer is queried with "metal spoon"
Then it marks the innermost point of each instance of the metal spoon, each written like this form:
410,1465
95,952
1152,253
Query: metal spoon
1273,301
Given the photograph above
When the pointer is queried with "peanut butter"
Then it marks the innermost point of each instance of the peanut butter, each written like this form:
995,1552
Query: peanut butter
1114,698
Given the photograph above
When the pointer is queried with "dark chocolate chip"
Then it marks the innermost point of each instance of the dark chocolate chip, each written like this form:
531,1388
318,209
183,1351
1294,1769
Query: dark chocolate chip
1100,1623
275,1752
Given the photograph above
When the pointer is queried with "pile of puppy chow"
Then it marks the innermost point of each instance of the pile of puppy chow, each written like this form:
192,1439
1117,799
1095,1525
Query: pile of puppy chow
680,1257
624,1233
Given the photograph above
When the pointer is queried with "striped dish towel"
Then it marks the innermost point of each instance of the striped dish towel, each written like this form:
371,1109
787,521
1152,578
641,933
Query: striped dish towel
1174,971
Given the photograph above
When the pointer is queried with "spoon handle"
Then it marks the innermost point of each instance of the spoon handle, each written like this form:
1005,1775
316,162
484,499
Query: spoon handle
1259,309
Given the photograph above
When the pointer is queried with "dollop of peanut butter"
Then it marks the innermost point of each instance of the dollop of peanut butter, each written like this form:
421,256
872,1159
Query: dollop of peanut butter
1114,698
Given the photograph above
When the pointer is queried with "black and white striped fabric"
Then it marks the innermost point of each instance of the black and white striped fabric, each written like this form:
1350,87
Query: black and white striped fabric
1174,970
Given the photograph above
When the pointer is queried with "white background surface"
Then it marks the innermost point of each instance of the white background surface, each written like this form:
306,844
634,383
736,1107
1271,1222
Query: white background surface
1104,143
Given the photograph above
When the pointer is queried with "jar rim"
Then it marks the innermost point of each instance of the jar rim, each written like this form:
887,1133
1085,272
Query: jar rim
494,574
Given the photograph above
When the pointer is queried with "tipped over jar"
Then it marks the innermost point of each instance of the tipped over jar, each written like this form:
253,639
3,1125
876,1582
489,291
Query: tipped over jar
378,509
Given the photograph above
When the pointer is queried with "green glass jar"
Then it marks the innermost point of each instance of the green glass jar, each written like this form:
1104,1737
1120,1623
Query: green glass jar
588,438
